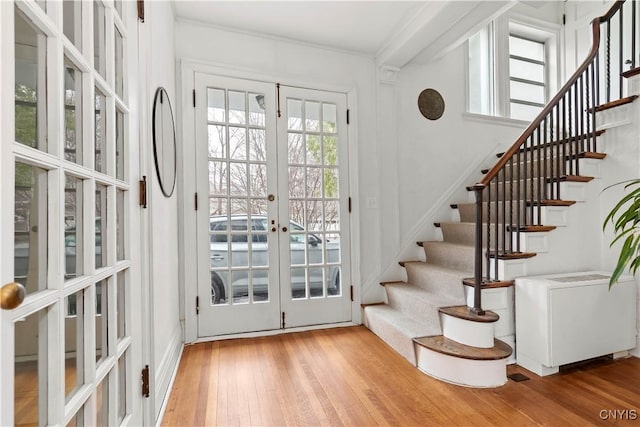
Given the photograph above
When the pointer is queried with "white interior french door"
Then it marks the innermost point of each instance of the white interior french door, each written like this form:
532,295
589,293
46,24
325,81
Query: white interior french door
67,214
273,229
313,193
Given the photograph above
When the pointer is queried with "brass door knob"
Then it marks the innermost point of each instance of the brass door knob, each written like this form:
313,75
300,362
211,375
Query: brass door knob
11,296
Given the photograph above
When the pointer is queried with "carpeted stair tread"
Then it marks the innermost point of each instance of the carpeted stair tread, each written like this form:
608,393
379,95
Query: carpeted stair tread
397,329
437,279
450,255
415,301
440,344
463,233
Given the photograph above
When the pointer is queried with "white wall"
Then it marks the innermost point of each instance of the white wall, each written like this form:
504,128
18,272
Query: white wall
166,329
287,62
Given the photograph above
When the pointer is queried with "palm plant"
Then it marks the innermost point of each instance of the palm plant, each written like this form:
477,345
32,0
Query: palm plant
625,218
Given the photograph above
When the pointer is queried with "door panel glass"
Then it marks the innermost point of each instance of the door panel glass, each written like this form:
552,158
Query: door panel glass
72,113
101,222
216,110
120,225
99,35
72,21
121,305
123,410
257,145
100,131
120,153
294,117
237,143
102,320
102,403
30,83
256,110
31,227
314,244
30,381
119,62
217,141
74,330
237,113
73,220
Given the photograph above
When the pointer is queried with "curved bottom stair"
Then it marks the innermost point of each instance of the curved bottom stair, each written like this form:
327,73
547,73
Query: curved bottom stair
456,363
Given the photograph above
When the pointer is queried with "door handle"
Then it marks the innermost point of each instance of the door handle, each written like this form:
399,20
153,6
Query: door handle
217,257
284,229
11,296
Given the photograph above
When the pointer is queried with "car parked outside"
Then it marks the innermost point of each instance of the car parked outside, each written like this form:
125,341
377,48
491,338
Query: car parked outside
255,230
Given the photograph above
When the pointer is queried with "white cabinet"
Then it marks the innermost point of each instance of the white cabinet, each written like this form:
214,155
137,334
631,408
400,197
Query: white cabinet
569,317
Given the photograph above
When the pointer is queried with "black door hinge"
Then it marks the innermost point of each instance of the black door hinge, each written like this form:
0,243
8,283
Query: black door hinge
283,315
348,116
195,201
564,19
145,381
351,293
197,305
194,98
143,192
349,204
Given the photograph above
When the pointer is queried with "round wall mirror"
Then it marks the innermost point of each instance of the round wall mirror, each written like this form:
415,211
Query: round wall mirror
164,142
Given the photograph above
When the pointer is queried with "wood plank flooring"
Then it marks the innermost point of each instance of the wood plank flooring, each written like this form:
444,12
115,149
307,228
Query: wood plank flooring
349,377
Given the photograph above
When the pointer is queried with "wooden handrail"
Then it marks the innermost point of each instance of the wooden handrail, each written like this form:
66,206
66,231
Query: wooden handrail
595,24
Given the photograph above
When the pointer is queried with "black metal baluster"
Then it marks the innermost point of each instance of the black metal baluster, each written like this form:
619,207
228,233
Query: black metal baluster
504,211
538,198
512,181
621,50
607,63
519,201
597,61
582,114
633,34
593,110
488,260
576,142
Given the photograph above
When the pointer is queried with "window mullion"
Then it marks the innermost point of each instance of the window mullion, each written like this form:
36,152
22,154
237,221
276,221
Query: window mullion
501,37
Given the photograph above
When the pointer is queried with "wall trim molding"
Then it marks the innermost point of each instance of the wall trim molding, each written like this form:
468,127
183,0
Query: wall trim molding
165,372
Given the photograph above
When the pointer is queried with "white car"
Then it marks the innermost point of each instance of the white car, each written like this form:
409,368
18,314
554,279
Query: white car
257,233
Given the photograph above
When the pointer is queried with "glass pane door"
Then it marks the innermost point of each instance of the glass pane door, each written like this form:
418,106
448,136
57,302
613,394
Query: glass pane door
70,199
314,203
238,290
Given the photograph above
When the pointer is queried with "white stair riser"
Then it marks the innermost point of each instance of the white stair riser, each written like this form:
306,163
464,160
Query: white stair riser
500,301
533,242
508,269
464,372
467,332
573,191
551,215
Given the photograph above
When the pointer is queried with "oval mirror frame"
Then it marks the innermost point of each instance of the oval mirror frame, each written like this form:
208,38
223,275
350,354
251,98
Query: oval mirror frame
164,142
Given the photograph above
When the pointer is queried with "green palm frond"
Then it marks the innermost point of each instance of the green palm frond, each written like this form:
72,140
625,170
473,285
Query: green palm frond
625,219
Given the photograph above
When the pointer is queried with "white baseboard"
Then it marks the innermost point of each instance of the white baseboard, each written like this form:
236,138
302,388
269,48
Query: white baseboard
165,372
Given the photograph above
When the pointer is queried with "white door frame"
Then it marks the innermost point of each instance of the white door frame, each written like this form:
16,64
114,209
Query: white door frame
187,182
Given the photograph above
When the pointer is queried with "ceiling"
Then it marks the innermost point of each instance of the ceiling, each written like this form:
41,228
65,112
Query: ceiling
365,27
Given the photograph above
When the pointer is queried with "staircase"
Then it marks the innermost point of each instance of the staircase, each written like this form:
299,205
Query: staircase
436,317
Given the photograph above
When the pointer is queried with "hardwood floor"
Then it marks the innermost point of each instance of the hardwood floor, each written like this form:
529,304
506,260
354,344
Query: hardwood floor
349,377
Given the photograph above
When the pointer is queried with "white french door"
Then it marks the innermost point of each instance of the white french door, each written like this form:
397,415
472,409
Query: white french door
273,246
66,217
313,193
